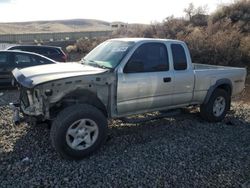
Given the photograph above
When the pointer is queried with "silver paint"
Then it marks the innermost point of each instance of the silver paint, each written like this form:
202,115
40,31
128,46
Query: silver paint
132,93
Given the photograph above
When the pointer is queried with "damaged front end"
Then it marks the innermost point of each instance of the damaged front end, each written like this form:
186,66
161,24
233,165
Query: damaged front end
31,105
43,95
31,102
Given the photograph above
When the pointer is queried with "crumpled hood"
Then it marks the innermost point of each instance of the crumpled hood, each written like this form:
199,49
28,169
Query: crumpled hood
29,77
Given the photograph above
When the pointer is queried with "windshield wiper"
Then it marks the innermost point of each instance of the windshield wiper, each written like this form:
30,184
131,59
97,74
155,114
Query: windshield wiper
102,66
95,64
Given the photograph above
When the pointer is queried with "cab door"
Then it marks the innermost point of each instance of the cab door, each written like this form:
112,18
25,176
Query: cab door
183,75
145,83
6,66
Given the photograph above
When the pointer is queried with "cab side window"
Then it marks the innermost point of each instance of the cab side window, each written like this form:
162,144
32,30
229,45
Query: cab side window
53,52
40,61
23,60
179,57
149,57
3,59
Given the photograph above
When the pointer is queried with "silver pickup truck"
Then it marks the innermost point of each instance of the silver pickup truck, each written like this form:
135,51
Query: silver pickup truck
119,78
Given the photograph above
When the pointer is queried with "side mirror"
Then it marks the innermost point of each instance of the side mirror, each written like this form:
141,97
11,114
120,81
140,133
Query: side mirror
134,66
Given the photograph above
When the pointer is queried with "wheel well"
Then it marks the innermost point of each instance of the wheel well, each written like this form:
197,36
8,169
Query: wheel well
226,87
79,97
221,84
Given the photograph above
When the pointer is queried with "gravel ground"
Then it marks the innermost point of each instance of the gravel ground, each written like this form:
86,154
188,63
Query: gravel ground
183,151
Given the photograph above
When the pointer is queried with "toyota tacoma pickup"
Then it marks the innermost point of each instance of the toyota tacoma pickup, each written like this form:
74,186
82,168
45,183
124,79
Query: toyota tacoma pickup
119,78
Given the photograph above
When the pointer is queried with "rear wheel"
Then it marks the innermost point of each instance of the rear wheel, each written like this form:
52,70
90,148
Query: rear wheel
78,131
216,108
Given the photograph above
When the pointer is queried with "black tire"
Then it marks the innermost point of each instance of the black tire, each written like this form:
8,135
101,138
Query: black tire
207,109
66,118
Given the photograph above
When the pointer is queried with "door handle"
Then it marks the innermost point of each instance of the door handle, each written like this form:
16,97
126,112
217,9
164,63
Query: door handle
167,79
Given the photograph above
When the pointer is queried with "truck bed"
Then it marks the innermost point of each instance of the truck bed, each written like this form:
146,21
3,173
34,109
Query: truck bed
207,75
197,66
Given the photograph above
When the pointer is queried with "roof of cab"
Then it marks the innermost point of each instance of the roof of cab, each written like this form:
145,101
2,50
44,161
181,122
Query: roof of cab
33,46
144,39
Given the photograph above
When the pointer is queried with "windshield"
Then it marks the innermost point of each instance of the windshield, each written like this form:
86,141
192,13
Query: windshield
108,54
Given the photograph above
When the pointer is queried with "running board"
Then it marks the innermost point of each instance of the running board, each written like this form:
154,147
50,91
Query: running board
150,117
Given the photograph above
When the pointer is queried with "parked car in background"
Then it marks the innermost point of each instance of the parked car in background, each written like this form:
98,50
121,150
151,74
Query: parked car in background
52,52
10,60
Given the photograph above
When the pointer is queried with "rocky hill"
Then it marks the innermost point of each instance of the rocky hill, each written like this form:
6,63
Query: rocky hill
53,26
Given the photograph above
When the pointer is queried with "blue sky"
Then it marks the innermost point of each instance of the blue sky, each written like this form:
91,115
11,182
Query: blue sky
131,11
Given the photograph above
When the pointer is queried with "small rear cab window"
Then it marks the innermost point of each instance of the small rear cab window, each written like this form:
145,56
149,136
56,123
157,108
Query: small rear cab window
179,57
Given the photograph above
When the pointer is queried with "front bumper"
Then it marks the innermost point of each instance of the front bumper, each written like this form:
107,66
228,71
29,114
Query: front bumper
15,107
17,118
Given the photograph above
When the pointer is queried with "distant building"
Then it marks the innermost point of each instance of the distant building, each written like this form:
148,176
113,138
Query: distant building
118,25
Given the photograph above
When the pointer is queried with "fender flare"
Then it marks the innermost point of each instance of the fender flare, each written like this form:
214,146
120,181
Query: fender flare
221,82
88,97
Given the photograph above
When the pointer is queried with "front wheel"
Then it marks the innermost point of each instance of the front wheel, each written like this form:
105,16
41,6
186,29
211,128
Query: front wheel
216,108
78,131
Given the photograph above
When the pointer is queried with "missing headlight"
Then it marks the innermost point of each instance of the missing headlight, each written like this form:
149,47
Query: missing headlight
48,92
